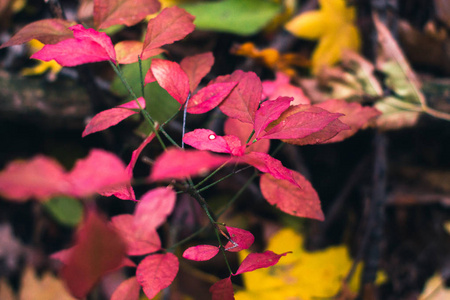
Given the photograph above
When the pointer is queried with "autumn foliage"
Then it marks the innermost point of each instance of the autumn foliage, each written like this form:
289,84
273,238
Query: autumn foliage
257,112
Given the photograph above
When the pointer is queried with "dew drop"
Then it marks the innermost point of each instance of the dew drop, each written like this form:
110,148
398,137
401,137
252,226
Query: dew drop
212,136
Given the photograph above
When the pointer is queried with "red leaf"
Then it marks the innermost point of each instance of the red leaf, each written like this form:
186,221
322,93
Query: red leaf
98,250
98,172
170,77
88,46
64,255
137,152
154,207
127,52
318,137
205,139
301,124
209,97
48,31
281,87
243,101
41,178
170,25
301,202
127,290
355,116
243,239
196,67
113,116
242,131
179,164
255,261
140,241
201,252
267,164
156,272
222,290
270,111
124,12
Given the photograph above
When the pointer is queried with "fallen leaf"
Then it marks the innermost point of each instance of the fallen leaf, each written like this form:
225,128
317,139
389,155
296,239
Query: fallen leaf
333,25
47,287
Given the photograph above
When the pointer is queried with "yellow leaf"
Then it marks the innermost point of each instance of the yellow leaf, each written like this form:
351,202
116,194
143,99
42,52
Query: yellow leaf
435,289
302,275
47,287
333,25
42,66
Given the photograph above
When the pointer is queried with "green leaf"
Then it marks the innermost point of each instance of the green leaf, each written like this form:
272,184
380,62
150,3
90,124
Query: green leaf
244,17
65,210
160,104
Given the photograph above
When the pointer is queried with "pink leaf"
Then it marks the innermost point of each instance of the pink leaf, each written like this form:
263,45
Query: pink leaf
48,31
242,131
127,290
243,101
170,77
87,46
205,139
258,261
242,239
281,87
179,164
301,202
113,116
99,250
154,207
354,115
140,241
127,52
98,172
170,25
156,272
270,111
267,164
124,12
196,67
201,252
318,137
137,152
300,124
41,178
209,97
222,290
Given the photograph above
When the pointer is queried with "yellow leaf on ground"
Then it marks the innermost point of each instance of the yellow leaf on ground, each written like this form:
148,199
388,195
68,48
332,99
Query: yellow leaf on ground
42,66
302,275
46,287
333,25
435,289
